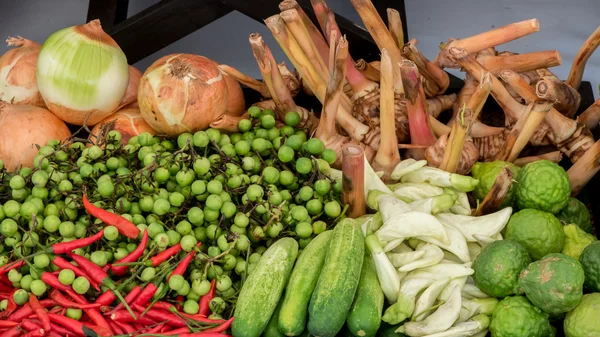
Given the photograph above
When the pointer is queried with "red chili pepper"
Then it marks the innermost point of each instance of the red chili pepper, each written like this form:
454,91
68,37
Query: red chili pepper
93,314
7,324
24,312
163,256
115,328
13,265
5,281
124,316
4,288
155,329
62,331
52,333
101,331
51,280
221,327
72,325
204,303
106,267
162,315
11,306
125,327
106,298
124,226
146,294
179,302
132,257
198,317
133,294
202,334
61,300
66,247
98,275
13,332
30,325
40,311
64,264
175,332
183,265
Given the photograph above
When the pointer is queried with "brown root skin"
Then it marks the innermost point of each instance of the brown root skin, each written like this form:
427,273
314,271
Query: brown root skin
468,156
584,169
496,195
368,70
491,38
555,157
489,146
353,180
591,116
395,26
436,79
246,80
566,99
588,48
520,63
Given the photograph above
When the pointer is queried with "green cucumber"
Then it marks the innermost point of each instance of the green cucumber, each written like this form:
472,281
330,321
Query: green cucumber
292,317
333,296
261,292
365,315
272,329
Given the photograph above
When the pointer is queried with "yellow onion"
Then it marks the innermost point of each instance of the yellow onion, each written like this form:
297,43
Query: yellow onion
130,98
24,126
82,74
127,121
18,84
185,93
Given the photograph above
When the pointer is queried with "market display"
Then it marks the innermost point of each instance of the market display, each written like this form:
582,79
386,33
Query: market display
174,207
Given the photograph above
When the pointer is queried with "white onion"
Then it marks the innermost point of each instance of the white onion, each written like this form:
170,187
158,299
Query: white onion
185,93
24,126
82,73
18,84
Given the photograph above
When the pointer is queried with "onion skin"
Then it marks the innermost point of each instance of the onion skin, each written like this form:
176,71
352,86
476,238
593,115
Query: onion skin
128,121
185,93
18,82
82,74
24,126
130,98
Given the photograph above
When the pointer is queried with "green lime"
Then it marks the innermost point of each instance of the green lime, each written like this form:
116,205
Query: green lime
554,283
590,261
487,173
517,317
543,185
539,232
583,320
576,240
577,213
497,267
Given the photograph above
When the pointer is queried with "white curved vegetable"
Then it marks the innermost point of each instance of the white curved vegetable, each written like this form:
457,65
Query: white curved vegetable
417,191
401,259
476,327
471,290
434,205
372,180
386,273
458,244
406,166
428,298
432,255
486,225
441,320
470,308
441,178
474,250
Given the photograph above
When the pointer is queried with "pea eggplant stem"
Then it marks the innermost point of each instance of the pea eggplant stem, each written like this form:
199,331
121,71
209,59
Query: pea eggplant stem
368,70
395,26
436,79
387,156
520,63
583,55
462,125
481,41
496,195
584,169
566,99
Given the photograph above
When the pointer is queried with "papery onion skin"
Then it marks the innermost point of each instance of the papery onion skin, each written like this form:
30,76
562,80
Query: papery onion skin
24,126
18,83
185,93
128,121
82,73
130,98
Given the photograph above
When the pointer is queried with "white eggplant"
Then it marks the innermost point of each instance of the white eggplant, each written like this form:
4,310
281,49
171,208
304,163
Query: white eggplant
386,273
432,255
401,259
440,178
428,298
486,225
417,191
406,166
441,320
400,224
458,244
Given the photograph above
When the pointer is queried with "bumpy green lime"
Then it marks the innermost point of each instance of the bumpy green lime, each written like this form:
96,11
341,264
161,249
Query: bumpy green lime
539,232
590,261
543,185
498,266
576,212
583,320
576,240
554,283
487,174
517,317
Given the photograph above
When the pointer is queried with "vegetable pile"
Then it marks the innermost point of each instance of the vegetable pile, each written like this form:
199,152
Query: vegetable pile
178,210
